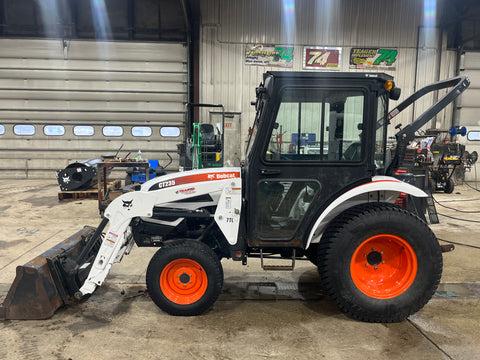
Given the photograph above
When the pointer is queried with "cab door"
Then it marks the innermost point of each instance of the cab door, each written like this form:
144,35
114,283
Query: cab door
312,149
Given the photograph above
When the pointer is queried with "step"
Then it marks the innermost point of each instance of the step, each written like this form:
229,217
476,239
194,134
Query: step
277,267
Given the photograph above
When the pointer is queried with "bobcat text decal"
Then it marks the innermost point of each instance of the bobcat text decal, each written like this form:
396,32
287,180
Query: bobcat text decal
190,179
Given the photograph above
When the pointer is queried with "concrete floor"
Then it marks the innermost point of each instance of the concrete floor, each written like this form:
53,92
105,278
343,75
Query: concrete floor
260,315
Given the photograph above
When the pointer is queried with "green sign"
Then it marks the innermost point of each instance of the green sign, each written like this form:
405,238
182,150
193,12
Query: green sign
269,55
373,58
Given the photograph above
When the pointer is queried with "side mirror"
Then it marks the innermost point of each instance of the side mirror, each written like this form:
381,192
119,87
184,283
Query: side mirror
395,93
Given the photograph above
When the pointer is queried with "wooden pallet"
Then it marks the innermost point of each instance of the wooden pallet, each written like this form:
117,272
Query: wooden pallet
89,194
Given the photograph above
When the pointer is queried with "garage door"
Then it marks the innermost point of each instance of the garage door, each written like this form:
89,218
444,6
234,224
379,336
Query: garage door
62,102
470,111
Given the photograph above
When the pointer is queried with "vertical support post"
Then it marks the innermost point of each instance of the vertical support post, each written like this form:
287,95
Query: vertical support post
131,19
3,25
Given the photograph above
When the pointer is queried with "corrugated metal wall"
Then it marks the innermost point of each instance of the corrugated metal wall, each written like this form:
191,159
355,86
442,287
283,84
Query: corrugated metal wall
470,101
470,108
228,26
126,84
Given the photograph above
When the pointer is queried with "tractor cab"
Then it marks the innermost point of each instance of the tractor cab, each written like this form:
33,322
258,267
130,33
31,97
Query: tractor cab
315,136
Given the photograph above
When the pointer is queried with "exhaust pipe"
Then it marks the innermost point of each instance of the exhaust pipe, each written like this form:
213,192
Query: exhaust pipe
54,278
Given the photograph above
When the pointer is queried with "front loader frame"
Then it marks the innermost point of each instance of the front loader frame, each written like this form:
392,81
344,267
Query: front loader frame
225,184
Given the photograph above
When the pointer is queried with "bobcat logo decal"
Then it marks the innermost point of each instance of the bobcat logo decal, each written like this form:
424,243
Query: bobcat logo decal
127,204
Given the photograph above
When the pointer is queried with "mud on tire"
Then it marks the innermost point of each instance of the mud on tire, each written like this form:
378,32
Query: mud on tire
184,278
379,262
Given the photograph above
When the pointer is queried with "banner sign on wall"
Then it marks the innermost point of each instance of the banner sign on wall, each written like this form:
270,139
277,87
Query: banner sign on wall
269,55
318,58
371,58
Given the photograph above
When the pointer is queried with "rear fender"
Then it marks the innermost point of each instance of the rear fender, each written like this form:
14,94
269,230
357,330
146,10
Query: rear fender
380,189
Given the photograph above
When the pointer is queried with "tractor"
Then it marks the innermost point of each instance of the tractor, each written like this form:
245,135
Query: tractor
318,182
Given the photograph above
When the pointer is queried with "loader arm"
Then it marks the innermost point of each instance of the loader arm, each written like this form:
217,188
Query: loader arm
407,134
76,266
157,193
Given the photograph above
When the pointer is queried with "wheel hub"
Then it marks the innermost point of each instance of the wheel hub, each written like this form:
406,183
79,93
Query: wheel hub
184,278
374,258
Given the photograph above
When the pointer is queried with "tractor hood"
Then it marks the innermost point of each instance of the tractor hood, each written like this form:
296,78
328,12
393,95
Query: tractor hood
186,178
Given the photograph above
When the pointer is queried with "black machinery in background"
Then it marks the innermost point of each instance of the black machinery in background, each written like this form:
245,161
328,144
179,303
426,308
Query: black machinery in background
203,147
80,175
438,161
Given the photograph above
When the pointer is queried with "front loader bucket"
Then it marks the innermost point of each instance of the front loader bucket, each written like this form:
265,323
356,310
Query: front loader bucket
52,279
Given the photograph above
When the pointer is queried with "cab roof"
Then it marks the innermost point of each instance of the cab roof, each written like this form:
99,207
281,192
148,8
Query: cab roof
328,75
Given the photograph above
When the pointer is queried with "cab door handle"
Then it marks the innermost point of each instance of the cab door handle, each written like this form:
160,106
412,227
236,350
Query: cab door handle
269,172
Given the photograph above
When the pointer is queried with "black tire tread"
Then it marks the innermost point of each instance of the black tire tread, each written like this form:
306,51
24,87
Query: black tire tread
192,249
330,283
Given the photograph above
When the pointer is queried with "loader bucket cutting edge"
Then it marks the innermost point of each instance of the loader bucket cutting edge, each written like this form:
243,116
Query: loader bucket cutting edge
44,284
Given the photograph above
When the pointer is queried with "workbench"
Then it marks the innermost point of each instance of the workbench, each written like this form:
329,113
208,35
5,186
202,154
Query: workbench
104,198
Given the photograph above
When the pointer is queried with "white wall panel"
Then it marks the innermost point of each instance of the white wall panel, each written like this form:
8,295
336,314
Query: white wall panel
49,82
470,107
229,26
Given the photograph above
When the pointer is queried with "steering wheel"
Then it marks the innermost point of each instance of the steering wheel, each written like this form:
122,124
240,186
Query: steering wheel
353,152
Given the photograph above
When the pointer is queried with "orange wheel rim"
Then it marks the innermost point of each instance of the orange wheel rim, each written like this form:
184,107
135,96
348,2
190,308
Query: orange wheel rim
383,266
183,281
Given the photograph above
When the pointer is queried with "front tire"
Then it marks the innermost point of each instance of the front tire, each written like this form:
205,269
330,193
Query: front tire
184,278
379,262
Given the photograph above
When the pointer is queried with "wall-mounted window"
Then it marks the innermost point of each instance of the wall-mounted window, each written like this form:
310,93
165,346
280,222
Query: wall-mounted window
2,129
24,129
170,131
141,131
83,130
54,130
473,135
112,131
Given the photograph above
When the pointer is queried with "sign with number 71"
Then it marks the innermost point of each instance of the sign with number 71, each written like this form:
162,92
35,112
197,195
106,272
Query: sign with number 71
327,58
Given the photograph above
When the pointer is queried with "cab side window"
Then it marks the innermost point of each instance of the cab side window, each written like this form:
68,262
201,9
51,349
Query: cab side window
318,125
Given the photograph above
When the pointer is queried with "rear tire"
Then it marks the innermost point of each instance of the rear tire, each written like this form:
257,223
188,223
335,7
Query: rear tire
184,278
379,262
